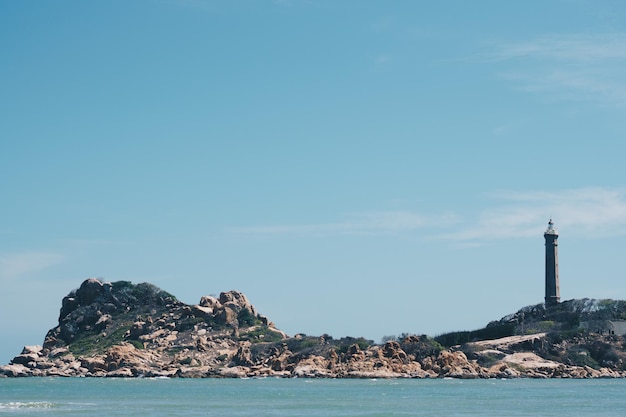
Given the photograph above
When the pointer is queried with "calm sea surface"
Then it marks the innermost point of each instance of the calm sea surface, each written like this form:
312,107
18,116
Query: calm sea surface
310,397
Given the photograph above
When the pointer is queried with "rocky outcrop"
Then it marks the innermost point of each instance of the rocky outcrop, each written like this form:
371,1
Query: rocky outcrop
123,330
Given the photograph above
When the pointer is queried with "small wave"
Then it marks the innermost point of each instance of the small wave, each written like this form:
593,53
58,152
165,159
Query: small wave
28,405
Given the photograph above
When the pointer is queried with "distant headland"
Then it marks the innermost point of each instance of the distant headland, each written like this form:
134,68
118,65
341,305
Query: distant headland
120,329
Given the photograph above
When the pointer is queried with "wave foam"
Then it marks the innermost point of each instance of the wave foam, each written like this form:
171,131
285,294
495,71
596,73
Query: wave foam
31,404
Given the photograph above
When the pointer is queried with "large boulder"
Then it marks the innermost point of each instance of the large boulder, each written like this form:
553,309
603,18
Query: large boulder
456,365
124,358
89,290
227,314
392,350
243,357
16,370
210,302
238,301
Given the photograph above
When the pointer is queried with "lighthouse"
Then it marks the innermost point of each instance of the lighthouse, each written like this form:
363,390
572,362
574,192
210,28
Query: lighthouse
551,236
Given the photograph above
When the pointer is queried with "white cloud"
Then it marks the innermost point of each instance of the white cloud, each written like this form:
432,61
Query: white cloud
381,222
13,265
568,67
574,48
584,212
589,212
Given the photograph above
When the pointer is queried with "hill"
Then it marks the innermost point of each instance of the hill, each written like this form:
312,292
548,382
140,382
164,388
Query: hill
120,329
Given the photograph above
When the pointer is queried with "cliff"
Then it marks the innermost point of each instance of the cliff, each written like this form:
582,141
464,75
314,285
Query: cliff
124,330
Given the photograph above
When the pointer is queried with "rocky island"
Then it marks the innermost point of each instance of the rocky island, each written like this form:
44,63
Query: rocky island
119,329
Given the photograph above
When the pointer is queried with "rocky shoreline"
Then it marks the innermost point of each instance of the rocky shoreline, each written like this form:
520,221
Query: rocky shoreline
387,361
125,330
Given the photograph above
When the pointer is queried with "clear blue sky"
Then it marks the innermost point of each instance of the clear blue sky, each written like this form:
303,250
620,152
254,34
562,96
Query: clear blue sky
356,168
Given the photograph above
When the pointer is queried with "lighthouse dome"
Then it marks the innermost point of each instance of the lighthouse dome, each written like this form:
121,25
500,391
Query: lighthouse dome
551,230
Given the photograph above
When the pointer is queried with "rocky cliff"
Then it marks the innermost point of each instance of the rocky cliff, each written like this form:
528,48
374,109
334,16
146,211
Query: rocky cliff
124,330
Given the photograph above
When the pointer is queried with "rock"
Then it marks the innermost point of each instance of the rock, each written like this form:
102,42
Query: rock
69,304
313,367
192,372
392,350
126,355
16,370
201,311
243,356
456,365
234,372
58,352
89,291
238,299
139,328
25,359
502,370
282,361
36,349
94,365
210,302
228,313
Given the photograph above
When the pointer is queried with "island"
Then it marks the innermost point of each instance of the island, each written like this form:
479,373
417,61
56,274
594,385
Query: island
121,329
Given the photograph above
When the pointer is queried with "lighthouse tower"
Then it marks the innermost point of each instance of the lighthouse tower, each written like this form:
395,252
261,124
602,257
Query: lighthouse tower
553,295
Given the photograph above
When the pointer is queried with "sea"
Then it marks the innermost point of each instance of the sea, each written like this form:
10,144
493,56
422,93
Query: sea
276,397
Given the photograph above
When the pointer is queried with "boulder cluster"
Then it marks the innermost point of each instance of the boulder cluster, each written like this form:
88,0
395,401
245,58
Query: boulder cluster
123,330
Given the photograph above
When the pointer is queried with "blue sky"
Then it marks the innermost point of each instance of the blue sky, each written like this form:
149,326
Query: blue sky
356,168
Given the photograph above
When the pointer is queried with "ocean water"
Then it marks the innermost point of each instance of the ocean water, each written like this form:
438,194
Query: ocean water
310,397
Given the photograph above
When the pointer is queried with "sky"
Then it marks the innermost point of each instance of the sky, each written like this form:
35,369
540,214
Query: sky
356,168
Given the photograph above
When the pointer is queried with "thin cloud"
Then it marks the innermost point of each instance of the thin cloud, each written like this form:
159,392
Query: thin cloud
588,212
14,265
585,212
574,48
572,85
567,67
364,223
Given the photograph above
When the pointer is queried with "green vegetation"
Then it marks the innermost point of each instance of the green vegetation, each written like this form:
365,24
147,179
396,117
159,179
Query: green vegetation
93,344
142,293
122,285
540,327
302,343
488,360
261,334
247,319
563,335
136,343
343,344
578,347
582,359
419,346
493,331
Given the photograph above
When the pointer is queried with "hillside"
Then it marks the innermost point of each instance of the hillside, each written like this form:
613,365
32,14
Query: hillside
120,329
